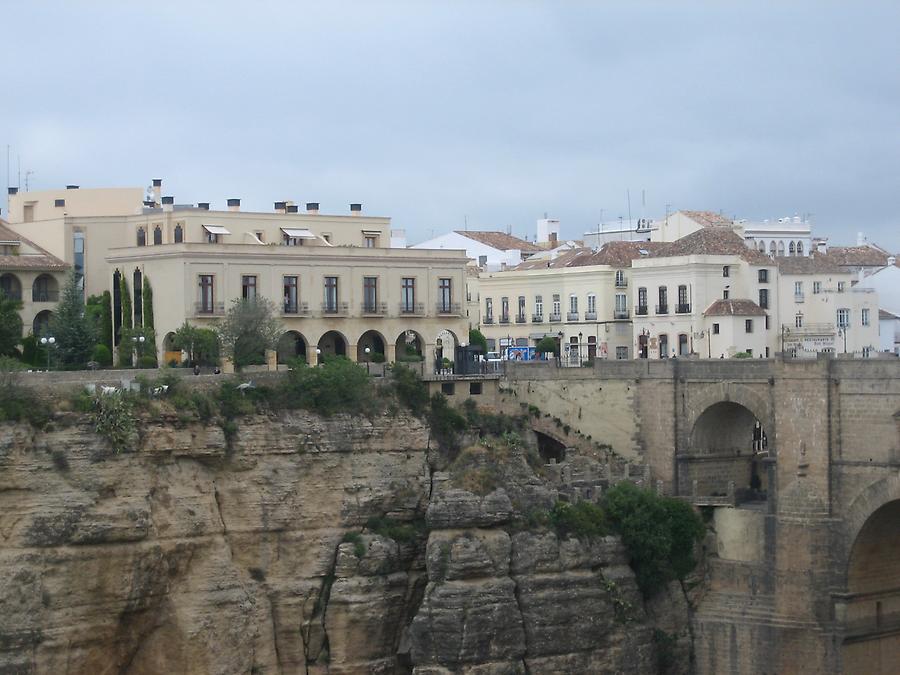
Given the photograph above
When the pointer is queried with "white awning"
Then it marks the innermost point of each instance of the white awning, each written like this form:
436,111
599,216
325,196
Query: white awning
298,233
376,233
216,229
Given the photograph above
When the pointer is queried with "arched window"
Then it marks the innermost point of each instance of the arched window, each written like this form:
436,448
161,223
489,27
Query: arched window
771,248
799,248
157,235
792,249
762,247
179,234
138,292
141,237
683,345
663,346
780,248
11,287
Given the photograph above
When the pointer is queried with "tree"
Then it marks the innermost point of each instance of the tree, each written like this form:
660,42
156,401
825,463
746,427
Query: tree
73,330
547,345
248,330
476,337
99,310
127,320
10,325
147,296
201,344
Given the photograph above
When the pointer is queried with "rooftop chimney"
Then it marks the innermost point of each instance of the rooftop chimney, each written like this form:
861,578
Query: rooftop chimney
12,190
552,237
355,209
157,191
280,207
312,207
168,203
292,208
71,187
203,206
860,239
234,204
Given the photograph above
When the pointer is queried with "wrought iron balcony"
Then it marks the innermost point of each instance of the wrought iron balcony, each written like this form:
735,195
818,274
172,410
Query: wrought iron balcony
798,297
209,309
295,308
487,320
335,308
451,308
537,318
571,316
504,319
621,283
621,314
520,318
662,309
683,308
412,308
590,316
555,318
43,296
640,310
374,308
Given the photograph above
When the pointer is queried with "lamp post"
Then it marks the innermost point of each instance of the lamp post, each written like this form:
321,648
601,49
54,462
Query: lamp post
138,341
367,350
48,342
580,357
842,331
318,356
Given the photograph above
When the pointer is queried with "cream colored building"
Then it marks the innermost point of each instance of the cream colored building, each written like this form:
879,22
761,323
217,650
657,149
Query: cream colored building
338,285
32,276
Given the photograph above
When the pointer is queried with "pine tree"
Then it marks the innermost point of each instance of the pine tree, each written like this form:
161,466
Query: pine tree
72,329
10,325
147,296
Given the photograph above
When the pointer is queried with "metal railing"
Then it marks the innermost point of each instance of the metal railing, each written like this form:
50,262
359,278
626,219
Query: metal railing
621,283
335,308
640,310
537,318
590,316
798,297
683,308
447,308
504,319
374,308
488,320
621,314
571,316
520,318
555,318
662,309
295,308
209,308
412,309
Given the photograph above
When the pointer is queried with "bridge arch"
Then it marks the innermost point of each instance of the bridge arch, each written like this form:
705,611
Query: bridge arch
697,402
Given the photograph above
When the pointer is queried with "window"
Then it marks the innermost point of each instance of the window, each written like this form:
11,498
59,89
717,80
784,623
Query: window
331,294
557,306
445,295
764,298
715,329
748,325
798,320
817,287
157,235
520,316
663,346
799,248
539,305
248,287
620,279
206,293
592,347
792,249
683,345
504,309
767,322
725,293
489,309
290,295
211,237
781,248
864,316
642,301
798,290
408,295
370,294
725,271
841,286
772,248
141,237
621,306
78,248
621,353
592,304
179,234
288,240
327,238
370,241
573,304
684,306
475,388
843,318
763,276
138,296
259,234
448,388
749,351
663,307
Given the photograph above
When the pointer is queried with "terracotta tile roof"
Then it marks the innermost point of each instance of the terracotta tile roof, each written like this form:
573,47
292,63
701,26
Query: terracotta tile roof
737,307
500,240
884,314
870,256
708,218
713,241
814,263
614,253
40,260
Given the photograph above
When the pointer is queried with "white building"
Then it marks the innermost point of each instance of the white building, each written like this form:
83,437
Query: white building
791,236
489,249
638,229
889,331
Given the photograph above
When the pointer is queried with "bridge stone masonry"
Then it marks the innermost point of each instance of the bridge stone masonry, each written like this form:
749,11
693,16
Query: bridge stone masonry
800,461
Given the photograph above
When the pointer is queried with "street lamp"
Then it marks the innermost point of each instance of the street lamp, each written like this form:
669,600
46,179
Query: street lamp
48,341
318,356
367,350
580,357
138,341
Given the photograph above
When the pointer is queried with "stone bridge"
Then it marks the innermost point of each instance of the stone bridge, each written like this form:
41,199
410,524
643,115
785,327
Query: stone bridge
806,576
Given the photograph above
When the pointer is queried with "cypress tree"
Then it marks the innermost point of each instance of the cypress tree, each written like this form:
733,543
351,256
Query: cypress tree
106,325
73,330
147,296
127,318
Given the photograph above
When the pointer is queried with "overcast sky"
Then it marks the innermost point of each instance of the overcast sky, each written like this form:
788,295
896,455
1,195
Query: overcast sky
492,112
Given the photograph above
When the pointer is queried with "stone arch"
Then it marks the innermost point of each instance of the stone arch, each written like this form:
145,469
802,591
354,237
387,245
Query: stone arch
861,508
781,249
45,289
170,352
291,345
762,247
41,323
445,344
409,343
698,401
332,343
10,286
375,342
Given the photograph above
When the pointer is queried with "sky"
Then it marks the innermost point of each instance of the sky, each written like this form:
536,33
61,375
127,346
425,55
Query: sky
486,115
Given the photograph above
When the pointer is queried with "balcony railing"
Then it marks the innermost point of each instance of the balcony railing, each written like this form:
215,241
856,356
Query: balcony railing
590,316
683,308
44,296
620,314
555,318
662,309
488,320
520,318
798,297
374,308
571,316
445,308
537,318
504,319
335,308
640,310
295,309
209,308
412,308
621,283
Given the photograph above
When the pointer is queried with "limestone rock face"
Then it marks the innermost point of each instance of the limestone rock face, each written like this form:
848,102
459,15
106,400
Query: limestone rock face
193,554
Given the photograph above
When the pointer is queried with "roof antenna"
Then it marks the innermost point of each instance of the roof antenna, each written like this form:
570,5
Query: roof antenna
466,222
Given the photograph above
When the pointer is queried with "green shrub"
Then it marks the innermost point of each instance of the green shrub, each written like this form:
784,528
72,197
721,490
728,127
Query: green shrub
582,519
659,532
547,345
742,355
355,538
114,420
476,337
400,531
377,357
336,386
146,362
102,355
410,390
19,403
445,422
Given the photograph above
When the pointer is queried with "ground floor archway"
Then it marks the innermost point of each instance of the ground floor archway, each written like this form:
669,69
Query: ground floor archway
872,603
331,343
291,345
445,350
41,323
374,342
409,346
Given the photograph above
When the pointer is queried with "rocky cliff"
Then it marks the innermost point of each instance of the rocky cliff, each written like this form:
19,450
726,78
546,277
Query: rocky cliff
191,554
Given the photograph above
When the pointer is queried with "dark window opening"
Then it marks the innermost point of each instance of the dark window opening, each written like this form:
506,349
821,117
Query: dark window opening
475,388
448,388
550,449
